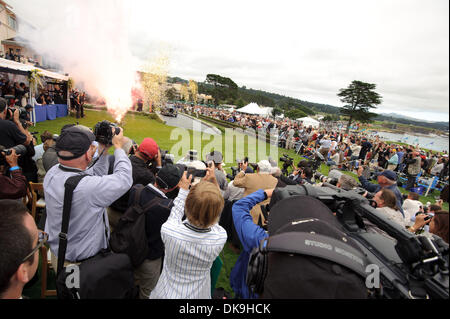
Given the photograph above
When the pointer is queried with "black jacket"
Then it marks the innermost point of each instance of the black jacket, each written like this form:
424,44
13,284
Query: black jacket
141,175
155,217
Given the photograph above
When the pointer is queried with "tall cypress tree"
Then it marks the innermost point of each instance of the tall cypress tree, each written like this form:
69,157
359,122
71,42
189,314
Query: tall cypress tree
359,97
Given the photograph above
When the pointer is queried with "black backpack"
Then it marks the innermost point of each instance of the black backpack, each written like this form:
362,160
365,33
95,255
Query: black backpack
129,236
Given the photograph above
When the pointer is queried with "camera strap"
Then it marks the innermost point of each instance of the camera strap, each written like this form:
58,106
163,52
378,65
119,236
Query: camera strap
70,185
316,245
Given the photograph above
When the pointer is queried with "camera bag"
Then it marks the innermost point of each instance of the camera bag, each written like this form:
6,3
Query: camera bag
105,275
129,236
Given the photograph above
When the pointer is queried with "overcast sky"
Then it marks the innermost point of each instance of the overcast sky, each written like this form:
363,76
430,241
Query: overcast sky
304,49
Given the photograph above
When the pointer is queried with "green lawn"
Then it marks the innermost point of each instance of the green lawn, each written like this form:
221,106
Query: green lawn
138,127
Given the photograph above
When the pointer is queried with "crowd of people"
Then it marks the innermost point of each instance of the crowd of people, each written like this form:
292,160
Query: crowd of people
18,94
190,209
10,55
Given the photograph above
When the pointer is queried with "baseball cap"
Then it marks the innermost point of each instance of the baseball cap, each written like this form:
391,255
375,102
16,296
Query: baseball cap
389,175
214,156
168,176
148,147
76,140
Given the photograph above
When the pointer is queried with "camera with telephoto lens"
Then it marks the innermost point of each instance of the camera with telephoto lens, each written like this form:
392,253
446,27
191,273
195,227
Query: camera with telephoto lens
318,177
234,172
287,162
103,132
166,157
409,266
20,150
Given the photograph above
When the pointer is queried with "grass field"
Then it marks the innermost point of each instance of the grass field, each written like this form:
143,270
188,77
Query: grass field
138,127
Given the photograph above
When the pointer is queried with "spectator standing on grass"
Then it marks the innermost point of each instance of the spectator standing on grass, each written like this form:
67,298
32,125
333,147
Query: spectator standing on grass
192,245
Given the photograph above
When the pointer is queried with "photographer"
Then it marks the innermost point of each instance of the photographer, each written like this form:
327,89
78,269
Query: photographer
413,161
192,245
167,179
12,132
217,158
148,151
88,227
438,224
15,185
253,182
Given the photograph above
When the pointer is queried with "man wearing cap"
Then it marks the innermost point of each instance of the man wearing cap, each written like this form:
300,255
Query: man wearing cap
167,179
221,177
386,179
12,132
88,227
252,182
148,151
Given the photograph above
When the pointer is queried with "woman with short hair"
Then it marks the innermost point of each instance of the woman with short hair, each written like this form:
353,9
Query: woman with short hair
191,245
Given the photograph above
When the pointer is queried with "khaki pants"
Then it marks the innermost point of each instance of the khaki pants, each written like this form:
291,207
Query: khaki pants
54,262
391,167
146,276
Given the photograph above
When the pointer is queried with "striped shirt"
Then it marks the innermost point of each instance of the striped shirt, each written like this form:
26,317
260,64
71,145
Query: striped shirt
189,256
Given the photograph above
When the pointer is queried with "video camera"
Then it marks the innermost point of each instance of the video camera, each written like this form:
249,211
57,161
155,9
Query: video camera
287,162
410,266
103,132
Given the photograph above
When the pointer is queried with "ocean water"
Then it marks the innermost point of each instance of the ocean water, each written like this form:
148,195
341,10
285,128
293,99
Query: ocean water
435,143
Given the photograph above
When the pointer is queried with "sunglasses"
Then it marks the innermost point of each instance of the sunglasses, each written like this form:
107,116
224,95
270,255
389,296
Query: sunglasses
42,239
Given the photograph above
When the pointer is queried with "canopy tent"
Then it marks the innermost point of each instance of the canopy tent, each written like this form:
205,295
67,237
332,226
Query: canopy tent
252,108
43,113
307,121
24,69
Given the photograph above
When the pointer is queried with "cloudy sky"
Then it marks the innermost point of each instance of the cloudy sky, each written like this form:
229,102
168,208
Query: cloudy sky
304,49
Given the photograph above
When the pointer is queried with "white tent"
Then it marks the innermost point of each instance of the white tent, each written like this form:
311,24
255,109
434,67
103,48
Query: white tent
307,121
252,108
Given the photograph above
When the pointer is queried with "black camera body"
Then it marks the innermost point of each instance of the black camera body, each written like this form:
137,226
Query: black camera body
103,132
234,172
20,150
287,162
166,157
410,266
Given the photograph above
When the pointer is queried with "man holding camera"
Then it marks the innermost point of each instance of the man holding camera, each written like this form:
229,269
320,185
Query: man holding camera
12,132
88,227
147,152
413,162
253,182
15,185
386,179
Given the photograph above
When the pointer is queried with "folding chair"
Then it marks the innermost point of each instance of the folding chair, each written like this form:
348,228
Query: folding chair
35,203
46,266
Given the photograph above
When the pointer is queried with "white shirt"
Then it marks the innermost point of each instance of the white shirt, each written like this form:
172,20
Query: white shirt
39,151
189,256
410,208
393,215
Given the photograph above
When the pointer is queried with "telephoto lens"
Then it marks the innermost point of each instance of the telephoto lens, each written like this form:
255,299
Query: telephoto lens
20,150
